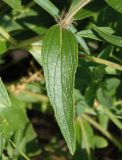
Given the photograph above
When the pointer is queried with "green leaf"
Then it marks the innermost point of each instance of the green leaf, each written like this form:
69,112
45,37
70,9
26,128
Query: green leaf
3,45
4,98
108,37
80,103
115,4
35,50
15,4
83,44
111,85
59,60
88,34
105,53
90,10
76,6
87,137
100,142
103,119
49,7
108,30
8,125
92,35
113,118
91,93
104,98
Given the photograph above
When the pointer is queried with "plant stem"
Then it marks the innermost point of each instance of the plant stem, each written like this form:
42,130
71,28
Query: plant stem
40,97
23,154
113,118
26,43
103,131
102,61
84,133
7,36
69,16
29,41
17,140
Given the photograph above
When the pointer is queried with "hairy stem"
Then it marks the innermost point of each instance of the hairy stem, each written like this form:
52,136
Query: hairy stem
102,61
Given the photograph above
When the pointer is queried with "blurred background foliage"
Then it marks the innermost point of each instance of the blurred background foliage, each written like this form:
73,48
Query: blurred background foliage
29,129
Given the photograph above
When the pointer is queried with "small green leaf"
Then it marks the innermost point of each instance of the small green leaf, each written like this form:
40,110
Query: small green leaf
100,142
76,7
15,4
10,115
87,137
59,60
49,7
88,34
115,4
92,35
35,50
112,117
18,137
104,98
108,37
3,45
4,98
90,10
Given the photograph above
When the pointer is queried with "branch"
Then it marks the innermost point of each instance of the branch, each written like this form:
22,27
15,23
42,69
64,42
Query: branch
102,61
103,131
7,36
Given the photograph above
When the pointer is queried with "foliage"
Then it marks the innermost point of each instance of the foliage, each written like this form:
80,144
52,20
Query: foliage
78,44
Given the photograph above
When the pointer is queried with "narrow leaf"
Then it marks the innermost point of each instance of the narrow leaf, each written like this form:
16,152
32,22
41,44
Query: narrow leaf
100,142
115,4
116,40
59,60
35,50
88,34
49,7
85,137
4,98
15,4
113,117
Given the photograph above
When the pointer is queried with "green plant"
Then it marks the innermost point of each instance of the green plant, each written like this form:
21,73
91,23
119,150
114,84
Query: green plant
81,57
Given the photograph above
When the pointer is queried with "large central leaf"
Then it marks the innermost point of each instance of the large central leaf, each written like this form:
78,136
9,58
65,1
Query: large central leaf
59,59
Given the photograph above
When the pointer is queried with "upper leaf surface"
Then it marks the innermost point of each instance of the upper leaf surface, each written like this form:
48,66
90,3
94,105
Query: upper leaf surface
15,4
92,8
115,4
49,7
116,40
59,59
4,98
